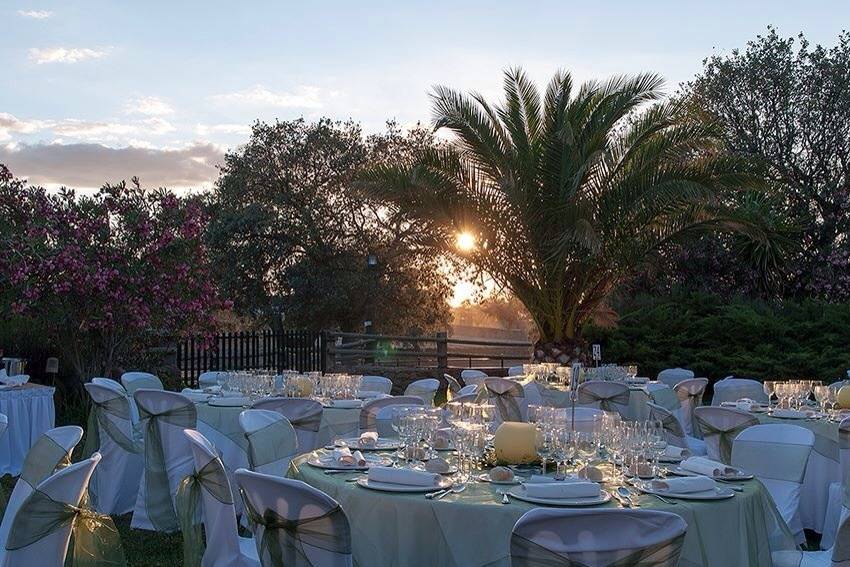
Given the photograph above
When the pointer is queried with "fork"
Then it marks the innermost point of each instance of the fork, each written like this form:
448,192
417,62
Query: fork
453,490
505,499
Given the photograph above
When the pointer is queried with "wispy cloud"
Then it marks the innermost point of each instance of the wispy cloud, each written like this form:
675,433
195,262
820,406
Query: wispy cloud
207,129
35,14
149,106
12,125
302,97
42,55
111,131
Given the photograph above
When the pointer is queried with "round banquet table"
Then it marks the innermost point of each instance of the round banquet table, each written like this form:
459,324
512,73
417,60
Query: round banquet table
30,411
823,468
473,528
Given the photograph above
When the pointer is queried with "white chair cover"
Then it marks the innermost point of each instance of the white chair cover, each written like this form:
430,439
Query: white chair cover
115,484
4,424
675,432
224,547
473,377
516,371
467,398
547,537
208,379
508,396
733,389
719,427
672,376
376,415
272,441
425,389
168,459
52,451
376,384
108,383
777,455
466,390
295,524
837,508
67,486
605,395
452,385
304,415
133,381
690,394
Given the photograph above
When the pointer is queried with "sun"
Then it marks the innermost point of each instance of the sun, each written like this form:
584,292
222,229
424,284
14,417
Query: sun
465,242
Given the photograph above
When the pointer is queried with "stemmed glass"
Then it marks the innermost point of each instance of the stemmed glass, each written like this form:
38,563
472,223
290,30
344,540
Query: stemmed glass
544,444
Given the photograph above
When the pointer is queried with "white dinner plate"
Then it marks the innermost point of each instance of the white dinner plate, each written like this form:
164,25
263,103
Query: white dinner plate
444,482
719,493
485,477
791,416
518,492
328,462
679,471
381,445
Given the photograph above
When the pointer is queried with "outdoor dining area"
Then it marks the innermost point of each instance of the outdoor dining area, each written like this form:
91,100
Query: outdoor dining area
549,465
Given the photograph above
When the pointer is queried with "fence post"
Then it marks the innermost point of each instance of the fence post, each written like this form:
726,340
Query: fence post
324,357
442,350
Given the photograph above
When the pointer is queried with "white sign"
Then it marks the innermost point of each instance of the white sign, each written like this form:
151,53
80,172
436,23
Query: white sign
597,352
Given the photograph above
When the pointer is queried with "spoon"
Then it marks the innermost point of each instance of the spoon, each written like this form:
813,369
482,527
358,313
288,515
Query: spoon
625,496
453,490
505,499
625,503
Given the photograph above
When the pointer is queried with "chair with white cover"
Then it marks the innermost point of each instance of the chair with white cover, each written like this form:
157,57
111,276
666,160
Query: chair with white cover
613,538
466,390
224,546
133,381
304,415
108,383
837,555
168,458
516,371
272,441
472,376
719,427
467,398
690,394
838,506
376,384
675,432
50,452
425,389
672,376
295,524
41,527
604,394
453,386
377,415
777,455
4,424
113,433
210,378
508,396
733,389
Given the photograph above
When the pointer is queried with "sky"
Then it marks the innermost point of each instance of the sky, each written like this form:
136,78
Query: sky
97,92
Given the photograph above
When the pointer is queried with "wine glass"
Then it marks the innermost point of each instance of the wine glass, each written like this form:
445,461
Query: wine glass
544,445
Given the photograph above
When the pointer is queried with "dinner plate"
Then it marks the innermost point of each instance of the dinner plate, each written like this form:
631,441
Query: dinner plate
328,462
518,492
485,477
791,416
443,483
679,471
381,445
719,493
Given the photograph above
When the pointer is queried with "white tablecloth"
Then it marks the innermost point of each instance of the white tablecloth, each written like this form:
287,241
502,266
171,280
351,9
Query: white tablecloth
30,411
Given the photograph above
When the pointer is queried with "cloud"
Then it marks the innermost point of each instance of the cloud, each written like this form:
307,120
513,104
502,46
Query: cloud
10,124
110,131
85,166
35,14
207,129
303,97
149,106
44,55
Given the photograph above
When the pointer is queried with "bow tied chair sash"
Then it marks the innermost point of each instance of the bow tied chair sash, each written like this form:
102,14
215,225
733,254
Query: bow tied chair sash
608,396
99,419
158,492
527,553
751,455
213,479
687,396
308,422
670,422
270,443
284,539
505,396
725,435
94,538
43,459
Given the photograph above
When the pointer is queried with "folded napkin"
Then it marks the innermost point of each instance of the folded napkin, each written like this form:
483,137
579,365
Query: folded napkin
685,485
346,404
673,452
212,389
195,395
229,402
707,467
18,380
789,413
231,394
563,489
403,476
368,439
344,457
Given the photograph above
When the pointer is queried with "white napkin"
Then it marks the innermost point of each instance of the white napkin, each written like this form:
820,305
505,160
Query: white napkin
707,467
18,380
673,452
368,439
344,457
685,485
403,476
562,489
346,404
788,413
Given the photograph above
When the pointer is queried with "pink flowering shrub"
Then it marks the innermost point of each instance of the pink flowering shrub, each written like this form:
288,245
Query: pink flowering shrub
108,274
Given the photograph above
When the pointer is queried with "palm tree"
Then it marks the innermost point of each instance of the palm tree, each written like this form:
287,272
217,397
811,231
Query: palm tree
567,196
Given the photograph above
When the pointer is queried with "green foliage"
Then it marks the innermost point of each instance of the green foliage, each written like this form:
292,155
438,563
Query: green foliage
716,337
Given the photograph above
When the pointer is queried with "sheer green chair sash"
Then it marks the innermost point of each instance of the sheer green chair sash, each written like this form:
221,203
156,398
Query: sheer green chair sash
527,553
607,400
669,421
213,479
160,508
119,407
752,456
505,395
283,539
725,436
308,422
94,538
43,459
270,443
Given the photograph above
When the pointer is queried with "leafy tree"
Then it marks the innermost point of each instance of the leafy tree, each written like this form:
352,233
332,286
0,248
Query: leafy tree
104,275
570,193
787,104
293,240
